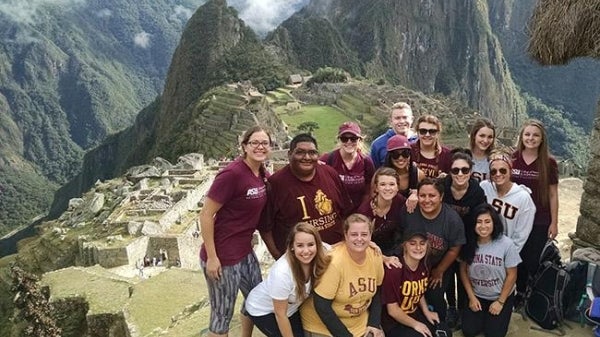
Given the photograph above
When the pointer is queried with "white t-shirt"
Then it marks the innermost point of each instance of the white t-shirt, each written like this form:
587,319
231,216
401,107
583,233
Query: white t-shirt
279,285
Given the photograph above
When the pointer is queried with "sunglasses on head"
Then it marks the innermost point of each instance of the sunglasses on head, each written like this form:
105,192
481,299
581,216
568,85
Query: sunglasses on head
432,132
345,139
502,171
457,170
405,153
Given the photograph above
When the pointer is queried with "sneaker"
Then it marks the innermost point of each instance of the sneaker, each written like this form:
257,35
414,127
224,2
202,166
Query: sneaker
452,318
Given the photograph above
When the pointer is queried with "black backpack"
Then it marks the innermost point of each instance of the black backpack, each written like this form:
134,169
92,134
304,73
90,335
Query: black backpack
545,290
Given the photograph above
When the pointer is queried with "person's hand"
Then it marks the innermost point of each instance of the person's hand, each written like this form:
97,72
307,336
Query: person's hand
474,305
435,280
422,329
375,247
442,175
213,268
374,332
496,308
392,262
552,231
432,316
412,202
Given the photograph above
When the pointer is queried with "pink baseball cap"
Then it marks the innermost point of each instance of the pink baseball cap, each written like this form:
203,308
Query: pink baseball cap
350,127
397,142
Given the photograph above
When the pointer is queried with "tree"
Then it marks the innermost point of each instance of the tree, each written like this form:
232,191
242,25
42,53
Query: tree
308,127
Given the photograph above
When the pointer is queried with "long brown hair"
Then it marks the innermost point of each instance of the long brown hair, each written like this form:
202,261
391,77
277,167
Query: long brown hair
246,138
543,160
382,171
319,262
479,124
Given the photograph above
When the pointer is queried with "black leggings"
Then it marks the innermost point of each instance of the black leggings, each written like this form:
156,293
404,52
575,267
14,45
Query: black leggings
435,297
483,321
530,254
405,331
267,324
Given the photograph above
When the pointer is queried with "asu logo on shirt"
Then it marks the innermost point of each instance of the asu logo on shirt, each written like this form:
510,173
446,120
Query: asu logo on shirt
256,192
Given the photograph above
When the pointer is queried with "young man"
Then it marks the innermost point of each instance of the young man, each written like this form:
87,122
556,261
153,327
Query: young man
303,191
401,118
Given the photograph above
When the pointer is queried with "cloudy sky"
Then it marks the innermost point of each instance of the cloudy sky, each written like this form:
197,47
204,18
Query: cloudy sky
264,15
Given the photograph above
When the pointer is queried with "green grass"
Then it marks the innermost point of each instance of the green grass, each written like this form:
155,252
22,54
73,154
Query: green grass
328,118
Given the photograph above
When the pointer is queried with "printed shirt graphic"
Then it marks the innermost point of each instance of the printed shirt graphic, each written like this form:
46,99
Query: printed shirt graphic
351,286
488,270
405,286
321,202
432,167
243,196
356,179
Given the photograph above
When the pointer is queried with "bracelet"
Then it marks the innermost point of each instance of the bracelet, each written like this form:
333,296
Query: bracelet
498,300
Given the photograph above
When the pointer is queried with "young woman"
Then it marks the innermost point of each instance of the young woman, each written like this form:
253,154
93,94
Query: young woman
489,272
355,168
399,158
273,305
428,152
534,167
406,312
511,201
346,302
384,208
228,219
463,194
446,234
482,143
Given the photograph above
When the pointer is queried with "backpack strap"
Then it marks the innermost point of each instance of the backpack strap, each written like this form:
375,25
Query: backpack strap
330,158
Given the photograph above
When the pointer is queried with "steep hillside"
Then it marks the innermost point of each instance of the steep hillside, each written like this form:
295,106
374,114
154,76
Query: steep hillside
71,73
443,46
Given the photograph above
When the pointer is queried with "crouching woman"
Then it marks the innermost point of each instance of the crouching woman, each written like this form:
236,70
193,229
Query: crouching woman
273,304
346,302
488,272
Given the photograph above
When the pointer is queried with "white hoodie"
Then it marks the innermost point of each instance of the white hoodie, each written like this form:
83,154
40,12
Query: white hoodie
516,208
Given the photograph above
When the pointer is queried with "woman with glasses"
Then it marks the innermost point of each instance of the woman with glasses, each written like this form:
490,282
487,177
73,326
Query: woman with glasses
399,158
463,194
355,168
534,167
428,152
489,272
384,207
228,219
482,142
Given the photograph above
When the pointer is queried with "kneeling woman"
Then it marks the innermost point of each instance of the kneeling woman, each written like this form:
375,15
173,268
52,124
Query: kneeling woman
407,313
346,302
273,305
489,273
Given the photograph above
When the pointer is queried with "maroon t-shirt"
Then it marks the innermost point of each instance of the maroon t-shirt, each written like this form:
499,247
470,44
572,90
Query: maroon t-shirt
388,227
322,202
405,287
243,196
357,179
528,175
434,166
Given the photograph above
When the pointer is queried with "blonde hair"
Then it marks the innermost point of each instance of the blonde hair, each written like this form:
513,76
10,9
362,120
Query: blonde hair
431,119
357,218
543,162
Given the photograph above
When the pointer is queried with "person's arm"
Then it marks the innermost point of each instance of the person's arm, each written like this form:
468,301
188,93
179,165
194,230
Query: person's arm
329,318
438,272
507,288
283,322
207,227
267,237
553,229
431,316
474,304
524,224
375,310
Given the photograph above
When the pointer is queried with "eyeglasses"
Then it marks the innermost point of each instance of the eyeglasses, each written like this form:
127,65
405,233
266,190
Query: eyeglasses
405,153
302,153
502,171
457,170
345,139
256,143
432,132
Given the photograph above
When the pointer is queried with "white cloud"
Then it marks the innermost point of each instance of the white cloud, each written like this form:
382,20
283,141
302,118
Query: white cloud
142,39
104,13
181,14
26,11
265,15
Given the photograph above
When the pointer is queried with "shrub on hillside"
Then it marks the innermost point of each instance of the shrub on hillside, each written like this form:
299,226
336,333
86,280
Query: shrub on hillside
329,75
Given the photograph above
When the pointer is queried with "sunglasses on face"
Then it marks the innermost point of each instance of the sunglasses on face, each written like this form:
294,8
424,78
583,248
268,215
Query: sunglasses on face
404,153
502,171
432,132
457,170
345,139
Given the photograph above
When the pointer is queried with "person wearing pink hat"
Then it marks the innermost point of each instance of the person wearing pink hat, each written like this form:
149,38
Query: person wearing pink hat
398,157
355,169
401,118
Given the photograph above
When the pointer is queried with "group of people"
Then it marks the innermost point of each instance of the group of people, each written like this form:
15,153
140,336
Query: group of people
403,241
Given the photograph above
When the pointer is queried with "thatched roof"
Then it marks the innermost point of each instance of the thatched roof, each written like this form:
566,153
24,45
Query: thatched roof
564,29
